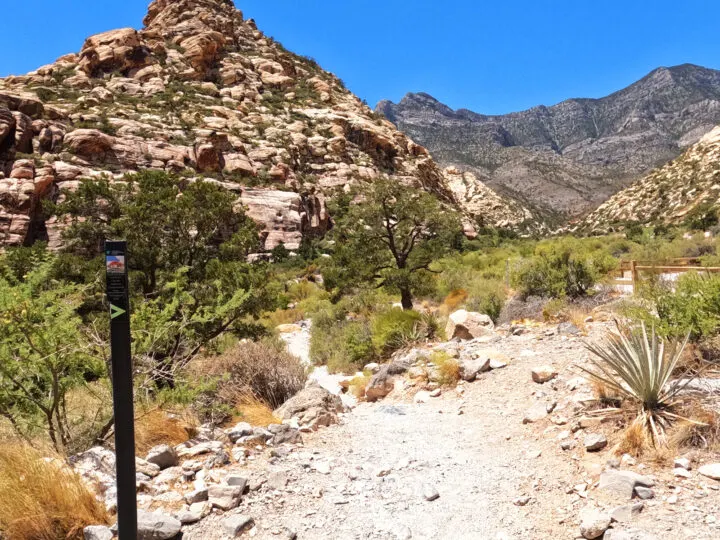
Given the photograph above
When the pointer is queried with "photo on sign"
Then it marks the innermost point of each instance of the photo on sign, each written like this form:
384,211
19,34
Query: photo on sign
115,264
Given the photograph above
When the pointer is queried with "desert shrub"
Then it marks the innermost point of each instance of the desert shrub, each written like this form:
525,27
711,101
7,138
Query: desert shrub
562,268
344,346
448,368
692,307
357,385
43,499
395,328
261,369
637,366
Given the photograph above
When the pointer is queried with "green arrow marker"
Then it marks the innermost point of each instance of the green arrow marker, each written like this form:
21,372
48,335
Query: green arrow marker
115,311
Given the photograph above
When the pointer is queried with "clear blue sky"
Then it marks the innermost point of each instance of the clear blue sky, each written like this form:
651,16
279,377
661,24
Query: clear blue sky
491,57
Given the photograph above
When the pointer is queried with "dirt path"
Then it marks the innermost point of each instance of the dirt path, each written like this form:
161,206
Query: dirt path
370,476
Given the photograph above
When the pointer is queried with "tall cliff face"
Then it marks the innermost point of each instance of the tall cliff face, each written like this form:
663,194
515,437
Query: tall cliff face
669,194
201,92
569,158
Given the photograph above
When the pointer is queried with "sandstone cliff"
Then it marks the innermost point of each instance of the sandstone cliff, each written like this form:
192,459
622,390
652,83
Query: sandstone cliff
201,92
569,158
667,195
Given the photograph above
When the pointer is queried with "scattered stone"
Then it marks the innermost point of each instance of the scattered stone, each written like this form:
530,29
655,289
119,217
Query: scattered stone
224,497
621,484
323,467
278,480
672,499
471,368
593,523
683,463
97,532
497,364
644,493
372,367
436,393
710,471
430,493
236,525
595,442
521,501
543,374
312,407
243,429
163,456
196,496
568,329
380,385
421,397
156,526
630,534
681,473
628,512
237,481
535,413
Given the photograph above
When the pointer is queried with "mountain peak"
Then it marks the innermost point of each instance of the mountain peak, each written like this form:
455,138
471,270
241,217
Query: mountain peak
188,13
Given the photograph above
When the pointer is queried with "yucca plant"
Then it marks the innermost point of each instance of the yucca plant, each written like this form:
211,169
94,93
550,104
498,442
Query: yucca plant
638,366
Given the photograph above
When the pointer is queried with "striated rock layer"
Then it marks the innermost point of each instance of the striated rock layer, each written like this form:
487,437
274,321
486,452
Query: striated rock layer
200,92
669,194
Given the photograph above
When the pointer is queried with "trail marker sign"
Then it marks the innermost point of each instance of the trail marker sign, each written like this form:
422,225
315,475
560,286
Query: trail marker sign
122,382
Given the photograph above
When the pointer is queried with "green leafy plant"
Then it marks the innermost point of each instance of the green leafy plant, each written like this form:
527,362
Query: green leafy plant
637,366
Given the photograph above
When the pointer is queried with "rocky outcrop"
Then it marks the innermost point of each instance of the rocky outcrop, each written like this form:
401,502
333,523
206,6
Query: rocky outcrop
201,92
571,157
668,195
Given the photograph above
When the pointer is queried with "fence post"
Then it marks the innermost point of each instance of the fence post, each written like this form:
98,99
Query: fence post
633,275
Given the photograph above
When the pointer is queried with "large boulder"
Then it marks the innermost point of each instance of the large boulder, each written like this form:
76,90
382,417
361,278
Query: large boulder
468,325
163,456
312,407
116,50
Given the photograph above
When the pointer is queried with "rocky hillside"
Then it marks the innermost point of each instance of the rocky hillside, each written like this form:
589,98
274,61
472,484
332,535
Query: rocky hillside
669,194
200,92
569,158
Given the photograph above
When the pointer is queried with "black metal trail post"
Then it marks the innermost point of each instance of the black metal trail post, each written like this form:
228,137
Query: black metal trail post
122,383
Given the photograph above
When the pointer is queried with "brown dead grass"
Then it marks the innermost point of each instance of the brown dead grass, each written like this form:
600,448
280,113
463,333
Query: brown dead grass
156,427
43,500
453,301
702,432
635,441
255,412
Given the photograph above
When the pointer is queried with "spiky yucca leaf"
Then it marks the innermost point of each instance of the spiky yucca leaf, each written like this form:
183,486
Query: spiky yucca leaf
638,367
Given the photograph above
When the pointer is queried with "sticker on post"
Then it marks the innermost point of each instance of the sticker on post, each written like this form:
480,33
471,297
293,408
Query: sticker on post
115,264
116,311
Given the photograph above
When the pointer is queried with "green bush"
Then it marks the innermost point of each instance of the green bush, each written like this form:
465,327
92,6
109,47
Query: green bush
692,307
343,346
393,329
562,268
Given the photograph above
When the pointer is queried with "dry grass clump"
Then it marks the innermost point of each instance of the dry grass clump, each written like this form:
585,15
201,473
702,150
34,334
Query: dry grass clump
156,427
453,301
262,369
43,500
448,368
700,430
255,412
635,440
285,316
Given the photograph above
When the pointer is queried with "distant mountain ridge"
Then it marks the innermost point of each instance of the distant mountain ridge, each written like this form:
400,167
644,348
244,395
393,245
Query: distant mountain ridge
567,159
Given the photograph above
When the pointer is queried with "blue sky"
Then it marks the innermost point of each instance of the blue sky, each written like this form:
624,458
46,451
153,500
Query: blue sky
491,57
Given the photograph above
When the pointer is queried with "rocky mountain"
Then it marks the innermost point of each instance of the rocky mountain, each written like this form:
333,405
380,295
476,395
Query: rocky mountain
669,194
571,157
201,92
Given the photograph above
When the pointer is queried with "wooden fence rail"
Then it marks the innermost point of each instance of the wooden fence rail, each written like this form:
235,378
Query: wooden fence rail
675,266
